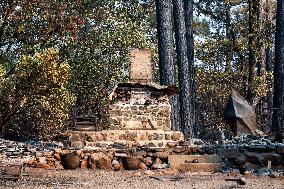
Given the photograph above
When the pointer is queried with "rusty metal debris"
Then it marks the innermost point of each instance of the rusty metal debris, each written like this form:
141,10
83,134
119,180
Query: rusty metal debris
240,115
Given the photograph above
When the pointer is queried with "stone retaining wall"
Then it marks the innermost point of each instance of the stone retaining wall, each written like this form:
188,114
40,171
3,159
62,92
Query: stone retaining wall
128,138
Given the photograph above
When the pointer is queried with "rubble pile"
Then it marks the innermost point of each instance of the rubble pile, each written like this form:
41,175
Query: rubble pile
243,153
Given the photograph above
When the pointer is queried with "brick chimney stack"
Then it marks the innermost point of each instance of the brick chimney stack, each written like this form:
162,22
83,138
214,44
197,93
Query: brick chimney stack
141,66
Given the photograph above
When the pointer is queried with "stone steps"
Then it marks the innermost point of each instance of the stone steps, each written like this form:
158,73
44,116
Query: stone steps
194,163
195,167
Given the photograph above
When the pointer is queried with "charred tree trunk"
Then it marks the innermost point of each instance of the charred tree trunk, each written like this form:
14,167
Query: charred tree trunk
278,99
184,77
188,10
164,11
253,25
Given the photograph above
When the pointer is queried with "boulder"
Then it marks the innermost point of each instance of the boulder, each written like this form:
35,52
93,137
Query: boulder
101,161
240,115
148,161
116,165
143,166
131,163
70,161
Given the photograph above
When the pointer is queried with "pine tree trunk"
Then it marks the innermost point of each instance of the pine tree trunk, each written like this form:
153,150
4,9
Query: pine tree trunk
183,68
188,11
164,11
278,99
253,25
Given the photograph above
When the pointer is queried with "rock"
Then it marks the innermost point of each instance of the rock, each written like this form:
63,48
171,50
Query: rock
92,166
42,165
242,181
116,165
101,160
274,174
39,154
150,154
179,149
149,173
240,115
162,155
139,154
184,143
78,152
84,164
131,163
240,161
148,161
65,152
280,150
57,150
58,165
176,136
194,150
70,161
57,157
42,160
171,144
159,166
170,171
120,154
77,144
143,166
48,153
262,172
158,161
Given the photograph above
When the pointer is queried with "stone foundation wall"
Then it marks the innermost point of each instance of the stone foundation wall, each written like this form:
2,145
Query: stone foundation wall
131,116
127,138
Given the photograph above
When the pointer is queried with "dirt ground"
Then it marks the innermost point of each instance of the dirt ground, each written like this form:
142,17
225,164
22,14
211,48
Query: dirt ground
40,178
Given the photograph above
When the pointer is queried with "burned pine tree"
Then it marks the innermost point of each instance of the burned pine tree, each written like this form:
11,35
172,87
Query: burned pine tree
188,11
164,11
184,68
278,99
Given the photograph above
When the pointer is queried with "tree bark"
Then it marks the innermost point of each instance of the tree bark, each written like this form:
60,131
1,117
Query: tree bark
253,25
188,9
278,121
164,12
183,69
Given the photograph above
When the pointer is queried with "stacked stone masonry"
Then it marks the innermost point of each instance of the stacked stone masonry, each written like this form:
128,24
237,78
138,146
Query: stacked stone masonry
126,116
154,138
140,108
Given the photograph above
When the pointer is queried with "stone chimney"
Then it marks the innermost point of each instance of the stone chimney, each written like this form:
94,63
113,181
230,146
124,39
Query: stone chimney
141,66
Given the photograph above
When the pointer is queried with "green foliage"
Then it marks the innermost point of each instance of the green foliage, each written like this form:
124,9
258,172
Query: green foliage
34,99
222,57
